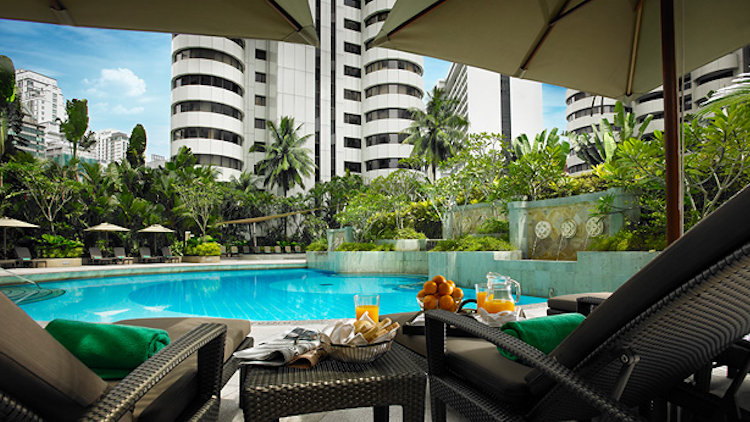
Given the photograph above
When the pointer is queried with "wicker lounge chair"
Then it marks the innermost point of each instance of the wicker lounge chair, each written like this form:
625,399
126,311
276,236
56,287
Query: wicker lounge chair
677,314
145,255
166,252
41,380
23,257
96,257
121,256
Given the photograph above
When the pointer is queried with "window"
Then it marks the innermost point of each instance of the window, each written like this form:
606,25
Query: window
207,80
353,143
368,43
353,25
260,54
219,161
260,124
577,96
353,167
354,119
357,4
207,107
392,64
352,95
376,17
260,100
719,74
650,97
352,48
259,146
238,41
393,89
260,77
207,53
385,138
388,113
384,163
352,71
206,133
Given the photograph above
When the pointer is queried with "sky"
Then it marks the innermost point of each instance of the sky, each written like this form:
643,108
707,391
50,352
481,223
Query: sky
125,75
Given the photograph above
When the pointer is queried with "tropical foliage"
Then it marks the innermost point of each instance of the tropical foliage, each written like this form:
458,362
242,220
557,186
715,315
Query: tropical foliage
287,160
75,125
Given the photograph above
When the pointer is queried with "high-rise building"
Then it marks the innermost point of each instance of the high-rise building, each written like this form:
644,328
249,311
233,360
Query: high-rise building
156,161
351,98
43,100
111,146
584,109
32,135
495,103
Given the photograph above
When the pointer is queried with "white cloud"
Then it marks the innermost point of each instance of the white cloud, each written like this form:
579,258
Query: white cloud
119,109
116,83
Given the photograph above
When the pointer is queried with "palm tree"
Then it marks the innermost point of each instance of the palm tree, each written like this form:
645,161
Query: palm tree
437,131
286,159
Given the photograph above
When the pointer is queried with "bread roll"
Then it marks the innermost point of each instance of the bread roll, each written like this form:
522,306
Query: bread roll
363,326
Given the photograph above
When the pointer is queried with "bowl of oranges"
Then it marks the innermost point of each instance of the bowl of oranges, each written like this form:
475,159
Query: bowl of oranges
440,293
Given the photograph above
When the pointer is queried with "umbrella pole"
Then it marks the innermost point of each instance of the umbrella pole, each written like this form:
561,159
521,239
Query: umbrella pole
5,246
671,134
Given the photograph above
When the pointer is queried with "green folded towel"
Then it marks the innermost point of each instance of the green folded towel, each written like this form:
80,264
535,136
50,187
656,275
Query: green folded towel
111,351
544,333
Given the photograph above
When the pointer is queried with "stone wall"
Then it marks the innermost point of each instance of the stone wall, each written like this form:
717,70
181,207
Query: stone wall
465,219
369,262
556,229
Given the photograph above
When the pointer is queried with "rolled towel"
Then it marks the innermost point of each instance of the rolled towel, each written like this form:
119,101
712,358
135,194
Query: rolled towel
111,351
544,333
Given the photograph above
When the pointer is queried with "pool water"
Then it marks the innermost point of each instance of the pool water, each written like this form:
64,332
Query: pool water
261,295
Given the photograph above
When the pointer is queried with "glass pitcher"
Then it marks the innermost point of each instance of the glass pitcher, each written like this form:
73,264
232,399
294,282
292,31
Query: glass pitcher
499,293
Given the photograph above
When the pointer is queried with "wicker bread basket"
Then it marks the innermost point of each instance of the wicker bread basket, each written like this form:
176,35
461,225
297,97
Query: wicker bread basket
356,354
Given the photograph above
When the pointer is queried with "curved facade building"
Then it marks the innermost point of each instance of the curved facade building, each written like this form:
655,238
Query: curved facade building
695,89
351,98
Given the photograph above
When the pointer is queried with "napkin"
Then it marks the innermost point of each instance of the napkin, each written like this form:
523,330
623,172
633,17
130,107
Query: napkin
499,318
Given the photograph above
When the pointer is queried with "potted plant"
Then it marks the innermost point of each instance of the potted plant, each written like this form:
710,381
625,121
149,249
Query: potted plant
202,249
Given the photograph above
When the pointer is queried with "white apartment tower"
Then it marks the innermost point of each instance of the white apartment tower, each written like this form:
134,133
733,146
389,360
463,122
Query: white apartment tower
111,146
41,96
351,98
584,109
495,103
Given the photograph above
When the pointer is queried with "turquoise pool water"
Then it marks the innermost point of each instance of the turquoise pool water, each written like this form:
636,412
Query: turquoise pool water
261,295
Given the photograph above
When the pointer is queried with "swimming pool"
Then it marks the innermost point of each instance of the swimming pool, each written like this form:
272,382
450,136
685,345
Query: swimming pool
260,295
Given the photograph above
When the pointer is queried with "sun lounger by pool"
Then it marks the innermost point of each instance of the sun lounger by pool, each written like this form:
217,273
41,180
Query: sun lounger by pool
121,256
96,257
146,257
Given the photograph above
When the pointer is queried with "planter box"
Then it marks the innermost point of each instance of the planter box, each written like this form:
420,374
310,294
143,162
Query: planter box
59,262
201,259
369,262
404,244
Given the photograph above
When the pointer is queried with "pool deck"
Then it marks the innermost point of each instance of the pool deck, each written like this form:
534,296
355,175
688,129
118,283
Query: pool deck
257,262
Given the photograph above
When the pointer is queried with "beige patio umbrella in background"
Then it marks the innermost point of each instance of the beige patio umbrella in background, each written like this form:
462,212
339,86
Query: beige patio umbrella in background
106,228
281,20
6,222
155,228
606,47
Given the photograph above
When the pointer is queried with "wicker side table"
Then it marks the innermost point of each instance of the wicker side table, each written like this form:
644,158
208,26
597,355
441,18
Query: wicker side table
268,393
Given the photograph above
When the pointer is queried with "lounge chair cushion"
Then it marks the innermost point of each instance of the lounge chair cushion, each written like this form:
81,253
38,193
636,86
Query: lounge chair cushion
175,392
568,303
39,372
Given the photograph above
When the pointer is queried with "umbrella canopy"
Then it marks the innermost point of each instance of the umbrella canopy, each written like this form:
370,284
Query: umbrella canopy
106,227
12,222
282,20
156,228
610,48
615,48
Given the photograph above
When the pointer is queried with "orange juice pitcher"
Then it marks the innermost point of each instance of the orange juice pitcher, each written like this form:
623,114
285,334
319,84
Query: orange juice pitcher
500,296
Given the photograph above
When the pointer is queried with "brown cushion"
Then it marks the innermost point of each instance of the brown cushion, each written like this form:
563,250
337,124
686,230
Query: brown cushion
39,372
568,303
170,396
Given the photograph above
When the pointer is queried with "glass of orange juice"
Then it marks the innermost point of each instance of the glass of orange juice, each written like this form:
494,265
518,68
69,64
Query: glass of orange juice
481,290
369,304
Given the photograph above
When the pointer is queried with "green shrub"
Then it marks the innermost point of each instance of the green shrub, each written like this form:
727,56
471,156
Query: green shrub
366,246
638,239
409,233
494,225
56,246
318,245
204,249
472,243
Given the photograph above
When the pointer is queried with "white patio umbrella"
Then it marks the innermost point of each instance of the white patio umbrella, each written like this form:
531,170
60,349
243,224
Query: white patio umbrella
281,20
607,47
155,228
6,222
106,228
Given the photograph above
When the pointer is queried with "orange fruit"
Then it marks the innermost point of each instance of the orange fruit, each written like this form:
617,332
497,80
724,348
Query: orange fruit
421,294
446,302
430,287
438,279
445,289
430,302
451,283
457,294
